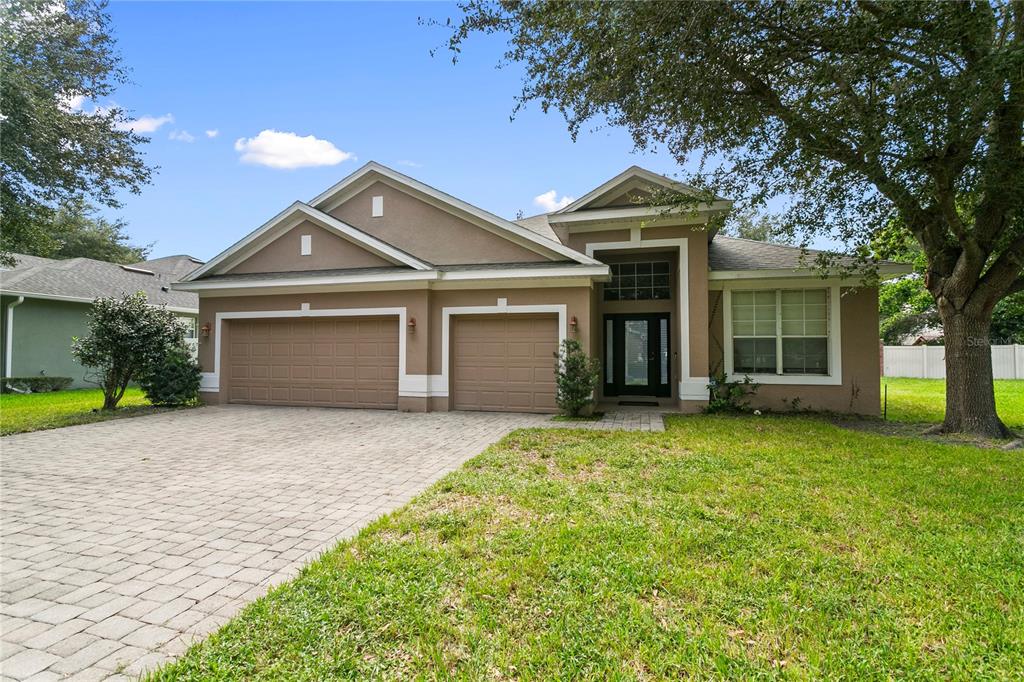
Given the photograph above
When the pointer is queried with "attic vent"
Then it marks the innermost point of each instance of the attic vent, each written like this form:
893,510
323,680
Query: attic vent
138,270
378,207
306,245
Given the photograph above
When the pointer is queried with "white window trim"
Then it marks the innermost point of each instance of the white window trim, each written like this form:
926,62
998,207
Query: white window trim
835,339
689,388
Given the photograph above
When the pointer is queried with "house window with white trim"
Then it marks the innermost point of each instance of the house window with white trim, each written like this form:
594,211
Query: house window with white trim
780,331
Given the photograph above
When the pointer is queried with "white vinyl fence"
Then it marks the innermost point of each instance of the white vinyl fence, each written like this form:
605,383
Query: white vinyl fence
929,362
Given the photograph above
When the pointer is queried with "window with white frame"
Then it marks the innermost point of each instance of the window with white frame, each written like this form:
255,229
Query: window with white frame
780,331
189,323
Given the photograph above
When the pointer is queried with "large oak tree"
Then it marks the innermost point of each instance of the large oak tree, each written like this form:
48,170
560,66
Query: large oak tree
866,112
60,139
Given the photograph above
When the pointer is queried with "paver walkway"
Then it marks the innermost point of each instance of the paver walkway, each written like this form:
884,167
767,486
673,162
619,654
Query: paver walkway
123,541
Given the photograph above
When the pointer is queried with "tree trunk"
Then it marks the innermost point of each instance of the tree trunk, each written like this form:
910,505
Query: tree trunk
970,395
110,400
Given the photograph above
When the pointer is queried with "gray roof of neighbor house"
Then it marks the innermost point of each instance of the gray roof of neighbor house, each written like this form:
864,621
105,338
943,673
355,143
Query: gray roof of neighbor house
85,279
179,265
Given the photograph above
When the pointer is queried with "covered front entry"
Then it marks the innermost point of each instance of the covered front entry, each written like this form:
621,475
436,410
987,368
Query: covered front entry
328,361
504,362
637,355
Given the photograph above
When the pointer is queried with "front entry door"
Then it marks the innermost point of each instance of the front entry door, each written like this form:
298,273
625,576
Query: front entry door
637,353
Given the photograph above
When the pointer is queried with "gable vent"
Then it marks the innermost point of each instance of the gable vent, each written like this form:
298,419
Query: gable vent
306,245
378,207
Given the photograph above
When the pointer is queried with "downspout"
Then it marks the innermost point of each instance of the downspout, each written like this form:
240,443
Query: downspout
9,340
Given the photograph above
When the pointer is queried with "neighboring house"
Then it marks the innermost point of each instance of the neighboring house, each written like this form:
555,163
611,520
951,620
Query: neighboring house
46,302
926,337
383,292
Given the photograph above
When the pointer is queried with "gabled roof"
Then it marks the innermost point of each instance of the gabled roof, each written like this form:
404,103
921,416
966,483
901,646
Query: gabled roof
631,178
286,219
84,280
518,234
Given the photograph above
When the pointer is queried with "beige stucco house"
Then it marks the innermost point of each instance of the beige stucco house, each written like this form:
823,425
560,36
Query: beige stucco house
383,292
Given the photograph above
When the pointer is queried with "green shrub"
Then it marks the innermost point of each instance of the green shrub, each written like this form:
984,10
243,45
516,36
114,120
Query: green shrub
730,396
173,380
33,384
576,376
127,338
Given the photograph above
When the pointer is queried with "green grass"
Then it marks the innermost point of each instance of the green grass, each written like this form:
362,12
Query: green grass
38,411
738,547
924,400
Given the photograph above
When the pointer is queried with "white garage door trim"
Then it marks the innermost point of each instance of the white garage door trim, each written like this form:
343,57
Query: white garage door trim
211,380
443,387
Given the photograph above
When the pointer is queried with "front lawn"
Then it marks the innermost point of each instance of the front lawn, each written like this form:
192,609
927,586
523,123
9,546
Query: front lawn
733,547
924,400
38,411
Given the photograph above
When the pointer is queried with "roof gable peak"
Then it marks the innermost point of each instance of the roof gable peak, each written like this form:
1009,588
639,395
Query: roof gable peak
634,178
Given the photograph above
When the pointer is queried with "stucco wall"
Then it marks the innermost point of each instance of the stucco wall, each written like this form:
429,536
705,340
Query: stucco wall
428,232
859,392
328,252
42,338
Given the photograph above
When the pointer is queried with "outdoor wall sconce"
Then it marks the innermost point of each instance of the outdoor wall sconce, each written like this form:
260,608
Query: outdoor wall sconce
411,325
205,330
573,323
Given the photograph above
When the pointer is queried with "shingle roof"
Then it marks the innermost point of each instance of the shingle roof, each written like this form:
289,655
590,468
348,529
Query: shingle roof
344,272
734,253
85,278
23,260
302,274
179,265
538,224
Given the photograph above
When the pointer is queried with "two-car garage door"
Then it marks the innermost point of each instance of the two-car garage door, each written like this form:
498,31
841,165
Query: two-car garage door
334,362
498,362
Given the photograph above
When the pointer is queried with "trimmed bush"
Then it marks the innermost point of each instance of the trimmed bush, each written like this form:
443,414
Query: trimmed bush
576,375
33,384
127,339
173,380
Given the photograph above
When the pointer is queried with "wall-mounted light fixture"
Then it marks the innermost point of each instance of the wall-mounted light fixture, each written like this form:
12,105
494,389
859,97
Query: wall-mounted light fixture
411,324
205,329
573,323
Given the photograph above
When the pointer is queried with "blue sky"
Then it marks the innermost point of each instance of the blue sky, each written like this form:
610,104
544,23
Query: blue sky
358,76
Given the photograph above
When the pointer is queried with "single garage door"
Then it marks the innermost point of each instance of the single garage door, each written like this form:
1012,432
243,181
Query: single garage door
331,362
504,363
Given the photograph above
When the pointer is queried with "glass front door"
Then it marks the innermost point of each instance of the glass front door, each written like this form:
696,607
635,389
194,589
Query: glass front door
637,355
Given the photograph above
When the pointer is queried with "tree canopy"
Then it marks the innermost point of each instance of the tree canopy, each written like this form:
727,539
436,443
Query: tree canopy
863,111
57,60
77,232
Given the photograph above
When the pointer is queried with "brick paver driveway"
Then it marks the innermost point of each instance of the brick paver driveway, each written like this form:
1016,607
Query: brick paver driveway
123,541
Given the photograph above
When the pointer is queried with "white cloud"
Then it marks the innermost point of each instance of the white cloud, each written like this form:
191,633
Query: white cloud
182,136
146,124
212,133
70,103
408,163
277,149
549,201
